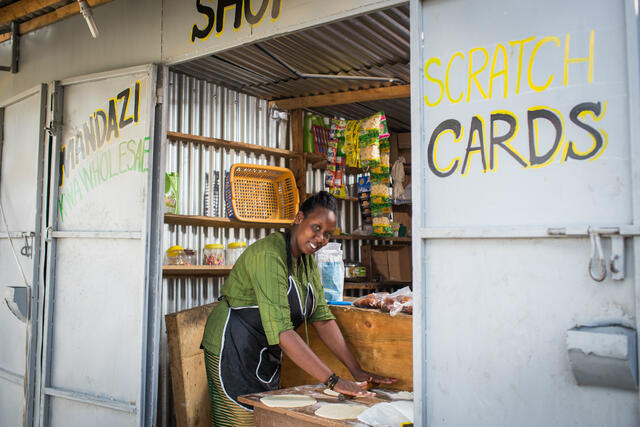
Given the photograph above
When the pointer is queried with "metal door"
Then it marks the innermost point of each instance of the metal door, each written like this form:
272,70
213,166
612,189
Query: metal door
527,209
21,171
102,274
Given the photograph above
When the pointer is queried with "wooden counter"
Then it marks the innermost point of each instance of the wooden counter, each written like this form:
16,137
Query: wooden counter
304,416
381,343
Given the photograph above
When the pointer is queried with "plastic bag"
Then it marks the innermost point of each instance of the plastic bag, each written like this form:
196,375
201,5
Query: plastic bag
331,268
171,186
388,414
396,302
371,301
397,176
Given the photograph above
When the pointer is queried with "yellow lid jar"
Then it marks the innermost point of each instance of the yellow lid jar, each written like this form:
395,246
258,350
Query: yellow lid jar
213,254
234,250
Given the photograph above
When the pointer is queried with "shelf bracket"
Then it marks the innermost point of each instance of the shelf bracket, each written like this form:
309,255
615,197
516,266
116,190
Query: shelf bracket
15,49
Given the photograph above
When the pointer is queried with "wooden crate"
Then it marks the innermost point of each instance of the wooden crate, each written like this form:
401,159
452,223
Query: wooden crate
186,359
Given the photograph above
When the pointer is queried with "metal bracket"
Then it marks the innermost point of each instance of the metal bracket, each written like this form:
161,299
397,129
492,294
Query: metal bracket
616,262
15,49
27,249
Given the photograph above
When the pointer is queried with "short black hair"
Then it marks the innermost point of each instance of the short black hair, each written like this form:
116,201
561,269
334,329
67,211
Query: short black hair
321,199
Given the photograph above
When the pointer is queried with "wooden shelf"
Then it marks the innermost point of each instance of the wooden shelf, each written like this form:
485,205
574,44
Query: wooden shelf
194,270
374,285
214,221
232,145
353,237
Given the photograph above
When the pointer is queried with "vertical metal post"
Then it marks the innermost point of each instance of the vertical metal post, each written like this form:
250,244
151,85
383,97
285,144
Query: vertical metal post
15,47
418,195
54,183
31,375
633,66
1,139
153,315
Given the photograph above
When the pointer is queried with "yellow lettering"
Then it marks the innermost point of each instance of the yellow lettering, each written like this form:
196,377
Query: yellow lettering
453,101
473,74
434,60
588,59
503,72
533,55
520,54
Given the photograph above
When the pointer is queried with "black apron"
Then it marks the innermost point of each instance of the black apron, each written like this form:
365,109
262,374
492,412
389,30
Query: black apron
248,364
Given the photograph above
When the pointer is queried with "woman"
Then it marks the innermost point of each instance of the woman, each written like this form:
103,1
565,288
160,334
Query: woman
275,287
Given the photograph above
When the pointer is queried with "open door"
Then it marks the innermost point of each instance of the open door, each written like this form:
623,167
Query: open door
100,316
21,171
525,132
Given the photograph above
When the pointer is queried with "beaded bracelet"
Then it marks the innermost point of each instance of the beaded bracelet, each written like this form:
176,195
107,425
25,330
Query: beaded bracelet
332,381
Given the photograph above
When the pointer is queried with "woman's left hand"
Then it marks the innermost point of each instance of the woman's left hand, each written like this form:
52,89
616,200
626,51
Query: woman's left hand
372,378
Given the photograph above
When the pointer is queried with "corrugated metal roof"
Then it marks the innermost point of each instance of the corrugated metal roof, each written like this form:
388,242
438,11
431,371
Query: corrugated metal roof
24,18
376,44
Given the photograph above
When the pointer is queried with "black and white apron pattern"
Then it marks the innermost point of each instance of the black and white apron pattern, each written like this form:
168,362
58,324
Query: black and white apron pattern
248,364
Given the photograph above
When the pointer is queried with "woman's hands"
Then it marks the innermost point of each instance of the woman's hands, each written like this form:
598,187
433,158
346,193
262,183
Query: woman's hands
352,388
368,377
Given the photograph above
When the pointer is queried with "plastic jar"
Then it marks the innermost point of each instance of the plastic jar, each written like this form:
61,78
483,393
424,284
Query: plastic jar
234,250
175,255
189,257
214,254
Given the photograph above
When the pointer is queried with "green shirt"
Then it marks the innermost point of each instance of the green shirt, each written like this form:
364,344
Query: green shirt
259,278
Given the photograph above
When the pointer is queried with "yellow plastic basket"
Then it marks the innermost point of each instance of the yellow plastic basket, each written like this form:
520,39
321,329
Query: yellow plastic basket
256,193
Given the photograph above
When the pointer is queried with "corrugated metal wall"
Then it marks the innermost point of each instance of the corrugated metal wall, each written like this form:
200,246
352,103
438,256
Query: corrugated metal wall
201,108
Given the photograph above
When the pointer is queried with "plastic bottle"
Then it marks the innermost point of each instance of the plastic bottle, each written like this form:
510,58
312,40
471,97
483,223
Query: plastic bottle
307,138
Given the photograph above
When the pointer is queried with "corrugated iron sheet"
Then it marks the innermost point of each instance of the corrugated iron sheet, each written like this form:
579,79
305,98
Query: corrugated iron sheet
201,108
376,44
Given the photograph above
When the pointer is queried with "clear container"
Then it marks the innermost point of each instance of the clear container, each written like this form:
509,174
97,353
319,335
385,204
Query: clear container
189,257
214,254
175,256
234,250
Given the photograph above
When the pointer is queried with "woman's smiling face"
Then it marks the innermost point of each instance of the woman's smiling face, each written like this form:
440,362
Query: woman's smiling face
313,231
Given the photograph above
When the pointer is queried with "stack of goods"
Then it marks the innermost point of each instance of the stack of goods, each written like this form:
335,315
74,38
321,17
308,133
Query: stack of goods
397,302
367,146
334,179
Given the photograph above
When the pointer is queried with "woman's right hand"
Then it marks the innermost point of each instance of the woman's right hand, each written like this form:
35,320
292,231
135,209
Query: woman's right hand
352,388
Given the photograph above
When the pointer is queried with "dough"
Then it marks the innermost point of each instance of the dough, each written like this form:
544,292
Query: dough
330,392
287,400
340,411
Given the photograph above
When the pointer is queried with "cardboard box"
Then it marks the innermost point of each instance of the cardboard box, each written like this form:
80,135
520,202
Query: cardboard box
365,259
391,263
404,141
402,215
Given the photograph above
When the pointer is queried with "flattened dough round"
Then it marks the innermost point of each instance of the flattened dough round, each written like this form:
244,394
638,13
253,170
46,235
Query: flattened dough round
330,392
340,411
287,400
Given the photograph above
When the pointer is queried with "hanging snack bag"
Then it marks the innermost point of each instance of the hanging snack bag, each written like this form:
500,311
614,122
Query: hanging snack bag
364,198
338,129
351,143
379,122
369,142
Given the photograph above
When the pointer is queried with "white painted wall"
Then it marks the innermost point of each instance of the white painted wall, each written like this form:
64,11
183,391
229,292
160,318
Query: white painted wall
129,35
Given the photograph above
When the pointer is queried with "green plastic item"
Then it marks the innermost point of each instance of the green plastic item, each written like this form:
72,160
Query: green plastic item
307,134
171,187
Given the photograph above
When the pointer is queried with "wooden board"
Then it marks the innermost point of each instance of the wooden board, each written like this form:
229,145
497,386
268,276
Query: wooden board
186,359
381,343
305,415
